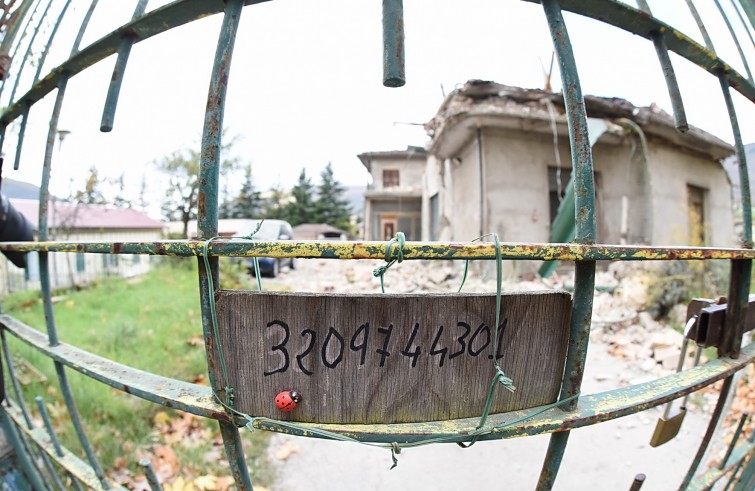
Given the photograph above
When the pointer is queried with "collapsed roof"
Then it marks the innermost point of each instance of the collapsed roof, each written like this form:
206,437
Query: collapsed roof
482,103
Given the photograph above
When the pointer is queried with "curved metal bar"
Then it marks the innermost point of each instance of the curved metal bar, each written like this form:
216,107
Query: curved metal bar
584,217
194,399
40,64
701,26
376,250
114,90
735,39
154,22
717,412
26,56
70,462
207,216
198,399
630,19
18,45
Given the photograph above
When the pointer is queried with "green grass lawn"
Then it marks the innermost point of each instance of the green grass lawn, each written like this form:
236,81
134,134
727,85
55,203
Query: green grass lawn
152,323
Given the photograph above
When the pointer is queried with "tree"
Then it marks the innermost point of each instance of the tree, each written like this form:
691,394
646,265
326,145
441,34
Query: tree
182,192
120,200
301,209
331,207
92,192
248,204
274,205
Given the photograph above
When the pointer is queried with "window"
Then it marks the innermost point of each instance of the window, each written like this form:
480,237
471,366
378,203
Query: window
558,178
434,216
80,262
390,178
696,210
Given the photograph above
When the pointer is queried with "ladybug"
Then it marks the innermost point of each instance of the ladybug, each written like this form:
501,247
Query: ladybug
287,400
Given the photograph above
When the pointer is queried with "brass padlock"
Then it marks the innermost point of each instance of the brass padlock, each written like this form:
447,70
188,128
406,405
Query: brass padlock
669,424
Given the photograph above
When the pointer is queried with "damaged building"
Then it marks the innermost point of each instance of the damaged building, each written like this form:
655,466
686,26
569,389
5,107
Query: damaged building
499,161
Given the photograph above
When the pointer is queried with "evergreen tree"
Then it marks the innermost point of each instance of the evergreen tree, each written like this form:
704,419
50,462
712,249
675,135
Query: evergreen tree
248,203
274,205
301,209
331,206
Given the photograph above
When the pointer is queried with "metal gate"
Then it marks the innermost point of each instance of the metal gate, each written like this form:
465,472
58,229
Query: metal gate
42,459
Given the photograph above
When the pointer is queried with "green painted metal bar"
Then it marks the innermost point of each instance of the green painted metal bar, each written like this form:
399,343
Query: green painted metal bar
734,441
24,409
40,64
747,479
749,7
26,56
18,45
54,438
376,250
12,31
630,19
149,472
744,179
234,450
394,69
735,39
10,366
584,201
195,399
27,466
639,480
715,417
114,90
199,400
157,21
70,462
207,216
677,105
713,475
742,21
700,25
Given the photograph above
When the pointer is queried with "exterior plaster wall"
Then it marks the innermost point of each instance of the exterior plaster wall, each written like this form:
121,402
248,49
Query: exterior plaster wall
516,183
671,171
465,215
410,172
69,269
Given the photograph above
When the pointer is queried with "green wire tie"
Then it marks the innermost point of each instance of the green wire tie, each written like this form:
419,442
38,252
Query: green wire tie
230,392
399,239
395,448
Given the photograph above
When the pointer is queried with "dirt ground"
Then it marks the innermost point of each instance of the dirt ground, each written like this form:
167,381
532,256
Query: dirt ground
605,456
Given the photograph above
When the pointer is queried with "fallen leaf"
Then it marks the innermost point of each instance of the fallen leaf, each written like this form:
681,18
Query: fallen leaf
161,418
179,485
206,483
286,450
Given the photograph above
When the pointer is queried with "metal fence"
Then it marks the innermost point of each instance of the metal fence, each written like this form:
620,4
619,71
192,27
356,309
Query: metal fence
43,461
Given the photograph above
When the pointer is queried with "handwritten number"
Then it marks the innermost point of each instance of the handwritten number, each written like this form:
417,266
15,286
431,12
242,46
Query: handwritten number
384,353
312,338
486,330
364,328
280,347
414,355
326,343
501,330
442,352
461,340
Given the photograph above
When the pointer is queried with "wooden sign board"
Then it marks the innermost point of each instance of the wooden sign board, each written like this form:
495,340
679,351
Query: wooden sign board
390,358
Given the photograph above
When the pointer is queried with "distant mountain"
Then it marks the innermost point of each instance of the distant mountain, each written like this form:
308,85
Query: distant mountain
732,169
355,195
19,190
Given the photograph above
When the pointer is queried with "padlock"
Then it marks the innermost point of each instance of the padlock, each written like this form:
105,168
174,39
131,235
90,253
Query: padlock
669,424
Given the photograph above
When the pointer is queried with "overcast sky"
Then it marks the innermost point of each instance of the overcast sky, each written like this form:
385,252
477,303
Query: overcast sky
305,86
